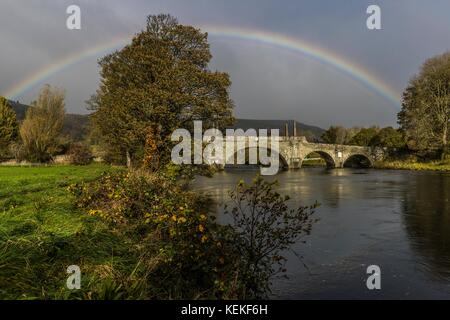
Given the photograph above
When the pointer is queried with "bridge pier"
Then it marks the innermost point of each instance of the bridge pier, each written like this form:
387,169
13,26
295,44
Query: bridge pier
295,163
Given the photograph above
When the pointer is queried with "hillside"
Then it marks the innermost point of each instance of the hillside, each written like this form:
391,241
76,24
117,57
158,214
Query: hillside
19,108
75,125
311,132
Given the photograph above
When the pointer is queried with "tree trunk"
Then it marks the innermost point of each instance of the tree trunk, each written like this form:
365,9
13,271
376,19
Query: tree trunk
444,142
128,160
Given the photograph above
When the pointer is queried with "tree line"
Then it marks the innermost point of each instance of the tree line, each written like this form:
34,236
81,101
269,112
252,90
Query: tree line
367,137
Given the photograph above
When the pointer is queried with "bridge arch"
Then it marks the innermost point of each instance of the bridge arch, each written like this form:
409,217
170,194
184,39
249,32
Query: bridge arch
358,160
329,160
232,161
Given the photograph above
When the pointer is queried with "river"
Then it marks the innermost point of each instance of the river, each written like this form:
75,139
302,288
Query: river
397,220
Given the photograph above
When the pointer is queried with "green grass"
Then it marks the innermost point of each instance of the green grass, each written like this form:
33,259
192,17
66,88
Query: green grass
416,166
39,194
314,163
42,233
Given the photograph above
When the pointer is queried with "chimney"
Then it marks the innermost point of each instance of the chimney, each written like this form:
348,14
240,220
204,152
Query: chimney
286,130
295,129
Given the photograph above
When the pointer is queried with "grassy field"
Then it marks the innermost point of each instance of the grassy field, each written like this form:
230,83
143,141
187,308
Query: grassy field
30,195
415,166
42,233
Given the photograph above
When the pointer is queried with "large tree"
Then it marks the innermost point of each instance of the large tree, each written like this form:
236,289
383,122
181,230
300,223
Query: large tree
158,83
335,135
43,124
425,115
364,136
388,137
9,129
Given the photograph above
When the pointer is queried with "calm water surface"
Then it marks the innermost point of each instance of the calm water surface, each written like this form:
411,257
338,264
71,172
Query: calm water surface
398,220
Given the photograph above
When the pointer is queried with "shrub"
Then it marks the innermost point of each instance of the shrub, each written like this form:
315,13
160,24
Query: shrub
264,228
80,154
17,151
193,257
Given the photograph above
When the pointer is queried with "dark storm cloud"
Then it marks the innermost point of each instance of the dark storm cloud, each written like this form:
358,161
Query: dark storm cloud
267,82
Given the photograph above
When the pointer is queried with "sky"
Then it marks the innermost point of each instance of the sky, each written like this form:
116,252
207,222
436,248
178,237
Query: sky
270,81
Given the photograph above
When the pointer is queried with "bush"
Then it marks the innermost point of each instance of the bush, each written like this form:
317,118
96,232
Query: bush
80,154
445,156
18,152
264,228
192,254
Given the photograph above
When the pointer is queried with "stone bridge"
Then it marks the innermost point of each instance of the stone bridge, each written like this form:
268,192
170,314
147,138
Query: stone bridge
294,150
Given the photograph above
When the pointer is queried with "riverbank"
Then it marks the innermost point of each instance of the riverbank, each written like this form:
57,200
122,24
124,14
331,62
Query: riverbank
415,166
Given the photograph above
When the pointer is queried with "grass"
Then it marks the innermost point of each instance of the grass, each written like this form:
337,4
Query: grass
39,194
314,162
42,233
416,166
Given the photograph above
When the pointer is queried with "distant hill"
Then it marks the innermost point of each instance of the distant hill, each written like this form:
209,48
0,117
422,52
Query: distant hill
312,133
19,108
76,126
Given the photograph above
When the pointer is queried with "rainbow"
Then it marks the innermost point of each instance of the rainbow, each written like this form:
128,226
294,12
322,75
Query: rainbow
311,51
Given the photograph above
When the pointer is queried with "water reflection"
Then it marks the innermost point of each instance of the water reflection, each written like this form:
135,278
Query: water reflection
399,220
426,215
